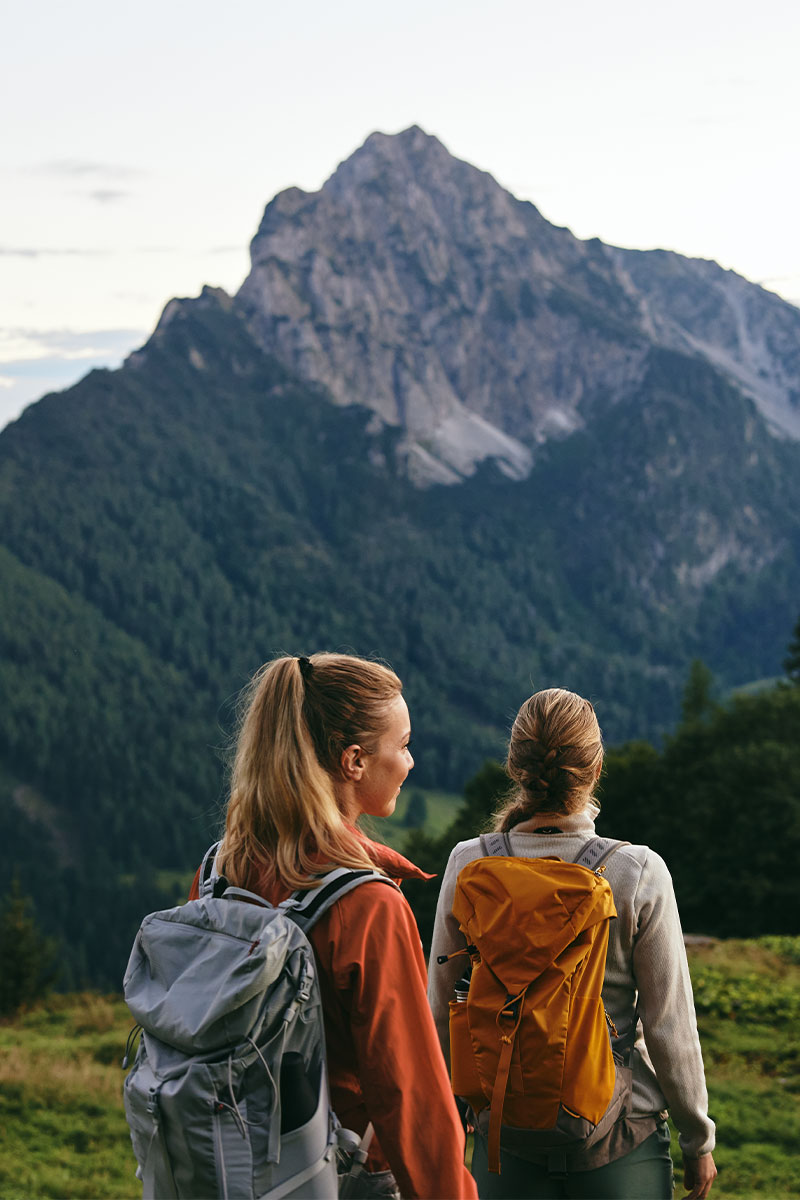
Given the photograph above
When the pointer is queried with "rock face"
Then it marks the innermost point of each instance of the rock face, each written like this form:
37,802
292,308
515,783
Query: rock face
414,284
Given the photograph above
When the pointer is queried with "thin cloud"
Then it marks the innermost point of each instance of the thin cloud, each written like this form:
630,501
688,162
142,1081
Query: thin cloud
50,252
77,168
26,351
107,195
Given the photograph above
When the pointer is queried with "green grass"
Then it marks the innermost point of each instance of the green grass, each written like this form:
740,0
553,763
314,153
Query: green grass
62,1129
755,686
176,882
441,808
747,996
63,1132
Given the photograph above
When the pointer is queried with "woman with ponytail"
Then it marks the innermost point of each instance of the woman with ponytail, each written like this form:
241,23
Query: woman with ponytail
555,757
323,741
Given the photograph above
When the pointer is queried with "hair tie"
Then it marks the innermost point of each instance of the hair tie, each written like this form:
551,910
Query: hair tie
306,665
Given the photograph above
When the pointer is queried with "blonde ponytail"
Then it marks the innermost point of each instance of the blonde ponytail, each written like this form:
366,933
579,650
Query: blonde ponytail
283,820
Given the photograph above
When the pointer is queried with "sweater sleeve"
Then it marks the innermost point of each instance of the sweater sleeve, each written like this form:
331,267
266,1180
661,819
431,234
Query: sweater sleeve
379,970
447,938
666,1007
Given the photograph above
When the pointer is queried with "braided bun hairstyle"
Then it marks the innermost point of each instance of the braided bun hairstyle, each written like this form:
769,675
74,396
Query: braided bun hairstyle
554,757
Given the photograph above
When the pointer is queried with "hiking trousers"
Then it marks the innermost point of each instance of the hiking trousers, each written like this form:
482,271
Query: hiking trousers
370,1185
644,1174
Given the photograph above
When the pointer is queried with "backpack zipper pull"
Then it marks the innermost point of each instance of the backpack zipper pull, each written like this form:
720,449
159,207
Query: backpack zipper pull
470,950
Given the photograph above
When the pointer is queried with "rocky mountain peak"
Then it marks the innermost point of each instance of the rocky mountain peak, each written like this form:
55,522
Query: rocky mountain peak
414,284
412,154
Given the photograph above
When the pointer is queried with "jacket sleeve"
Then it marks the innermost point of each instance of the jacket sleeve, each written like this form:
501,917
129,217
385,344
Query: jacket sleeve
666,1007
379,970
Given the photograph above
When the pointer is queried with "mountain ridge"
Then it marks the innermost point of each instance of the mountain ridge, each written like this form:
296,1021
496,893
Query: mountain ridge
415,284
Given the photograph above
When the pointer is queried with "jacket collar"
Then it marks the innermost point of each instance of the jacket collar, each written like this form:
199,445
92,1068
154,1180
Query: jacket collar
391,861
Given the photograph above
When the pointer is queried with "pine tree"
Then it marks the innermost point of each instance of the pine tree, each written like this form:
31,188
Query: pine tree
416,813
27,957
697,702
791,664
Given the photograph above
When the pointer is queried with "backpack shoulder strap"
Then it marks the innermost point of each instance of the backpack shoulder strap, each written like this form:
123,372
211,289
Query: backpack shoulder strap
597,851
236,893
208,874
496,844
306,906
593,855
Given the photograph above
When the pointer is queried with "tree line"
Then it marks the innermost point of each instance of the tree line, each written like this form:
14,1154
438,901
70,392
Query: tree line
719,800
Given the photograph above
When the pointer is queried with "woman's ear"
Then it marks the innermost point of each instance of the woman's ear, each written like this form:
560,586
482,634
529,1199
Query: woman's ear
352,762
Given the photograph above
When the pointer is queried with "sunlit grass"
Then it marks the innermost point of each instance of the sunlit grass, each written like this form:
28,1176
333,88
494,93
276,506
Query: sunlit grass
441,808
62,1128
748,1000
63,1132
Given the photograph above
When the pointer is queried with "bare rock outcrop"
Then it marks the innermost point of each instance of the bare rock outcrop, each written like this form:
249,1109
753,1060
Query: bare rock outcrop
414,284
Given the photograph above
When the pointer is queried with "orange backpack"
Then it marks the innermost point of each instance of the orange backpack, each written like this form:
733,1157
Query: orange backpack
530,1041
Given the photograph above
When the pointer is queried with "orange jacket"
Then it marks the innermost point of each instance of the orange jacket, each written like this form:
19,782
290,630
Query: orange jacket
385,1064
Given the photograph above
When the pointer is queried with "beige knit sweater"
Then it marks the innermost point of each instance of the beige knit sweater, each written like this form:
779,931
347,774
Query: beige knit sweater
646,967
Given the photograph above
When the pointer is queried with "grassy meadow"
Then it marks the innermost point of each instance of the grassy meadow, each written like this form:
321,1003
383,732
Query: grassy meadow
63,1132
747,996
439,811
62,1128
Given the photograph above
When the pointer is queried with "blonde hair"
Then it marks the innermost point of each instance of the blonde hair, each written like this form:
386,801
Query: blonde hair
298,715
554,757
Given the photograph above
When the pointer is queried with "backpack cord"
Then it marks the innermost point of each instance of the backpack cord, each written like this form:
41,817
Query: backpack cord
513,1009
132,1036
263,1060
274,1137
233,1106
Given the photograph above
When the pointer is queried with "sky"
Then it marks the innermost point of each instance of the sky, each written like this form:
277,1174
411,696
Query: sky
141,143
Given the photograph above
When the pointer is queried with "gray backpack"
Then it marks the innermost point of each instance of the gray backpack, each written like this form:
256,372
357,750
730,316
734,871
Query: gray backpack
228,1094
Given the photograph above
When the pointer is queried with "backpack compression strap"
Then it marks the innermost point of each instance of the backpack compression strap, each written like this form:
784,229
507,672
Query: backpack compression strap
305,907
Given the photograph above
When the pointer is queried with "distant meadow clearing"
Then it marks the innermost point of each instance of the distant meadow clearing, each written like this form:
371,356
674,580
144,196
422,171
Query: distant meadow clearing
63,1132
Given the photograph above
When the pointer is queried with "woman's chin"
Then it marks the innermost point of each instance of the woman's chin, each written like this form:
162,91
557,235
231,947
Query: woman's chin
379,811
390,807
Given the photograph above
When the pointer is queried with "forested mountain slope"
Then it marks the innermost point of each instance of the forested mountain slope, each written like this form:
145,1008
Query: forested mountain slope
167,527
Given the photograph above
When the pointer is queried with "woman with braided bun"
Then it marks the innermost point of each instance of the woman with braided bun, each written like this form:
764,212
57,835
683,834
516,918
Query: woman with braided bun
323,741
555,757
